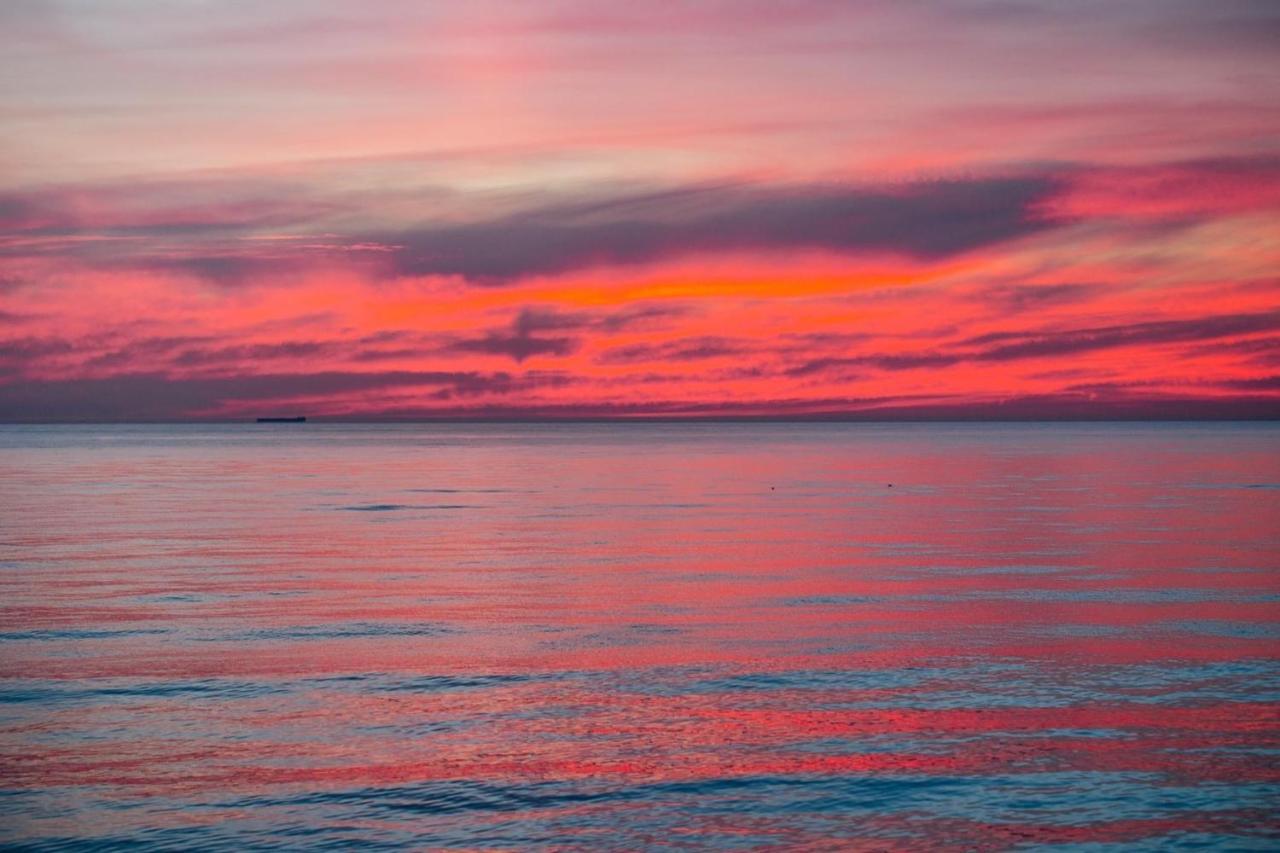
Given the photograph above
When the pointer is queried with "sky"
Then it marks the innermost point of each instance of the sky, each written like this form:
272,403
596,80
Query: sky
867,208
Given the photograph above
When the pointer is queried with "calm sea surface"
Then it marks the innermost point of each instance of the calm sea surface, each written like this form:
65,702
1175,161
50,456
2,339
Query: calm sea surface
640,636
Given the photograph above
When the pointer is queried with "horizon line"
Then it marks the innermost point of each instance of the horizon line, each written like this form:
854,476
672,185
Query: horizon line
642,419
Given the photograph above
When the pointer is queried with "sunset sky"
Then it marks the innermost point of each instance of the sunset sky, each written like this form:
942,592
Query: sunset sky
874,208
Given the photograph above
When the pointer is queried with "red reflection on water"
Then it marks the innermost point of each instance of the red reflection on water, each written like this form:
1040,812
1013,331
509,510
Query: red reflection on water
698,609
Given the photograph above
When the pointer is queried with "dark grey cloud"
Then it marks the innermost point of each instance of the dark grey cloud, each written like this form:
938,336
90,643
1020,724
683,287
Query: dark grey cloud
158,397
516,346
685,349
527,336
534,330
1102,403
927,220
24,350
1010,346
160,209
641,315
823,358
832,408
1013,298
155,396
539,330
1261,383
904,361
204,228
209,228
1264,351
242,354
1234,25
147,349
113,350
1014,346
1115,404
225,269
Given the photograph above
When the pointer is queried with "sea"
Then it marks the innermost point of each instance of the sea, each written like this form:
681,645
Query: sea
640,636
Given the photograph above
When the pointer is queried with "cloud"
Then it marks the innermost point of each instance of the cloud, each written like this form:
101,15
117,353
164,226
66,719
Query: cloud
927,220
227,269
531,331
1009,297
1260,351
525,337
228,230
1260,383
154,396
904,361
172,208
1018,345
1186,191
145,349
213,231
687,349
21,351
516,346
235,230
1117,404
254,353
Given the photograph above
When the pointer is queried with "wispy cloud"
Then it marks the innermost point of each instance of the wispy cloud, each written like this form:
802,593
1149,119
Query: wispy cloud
743,208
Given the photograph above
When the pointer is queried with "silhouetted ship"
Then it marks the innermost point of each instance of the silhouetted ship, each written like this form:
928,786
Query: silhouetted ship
298,420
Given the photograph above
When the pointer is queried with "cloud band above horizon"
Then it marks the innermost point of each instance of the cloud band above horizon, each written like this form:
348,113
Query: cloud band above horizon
957,209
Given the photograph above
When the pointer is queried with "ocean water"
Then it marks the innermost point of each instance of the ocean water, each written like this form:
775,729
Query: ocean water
640,636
